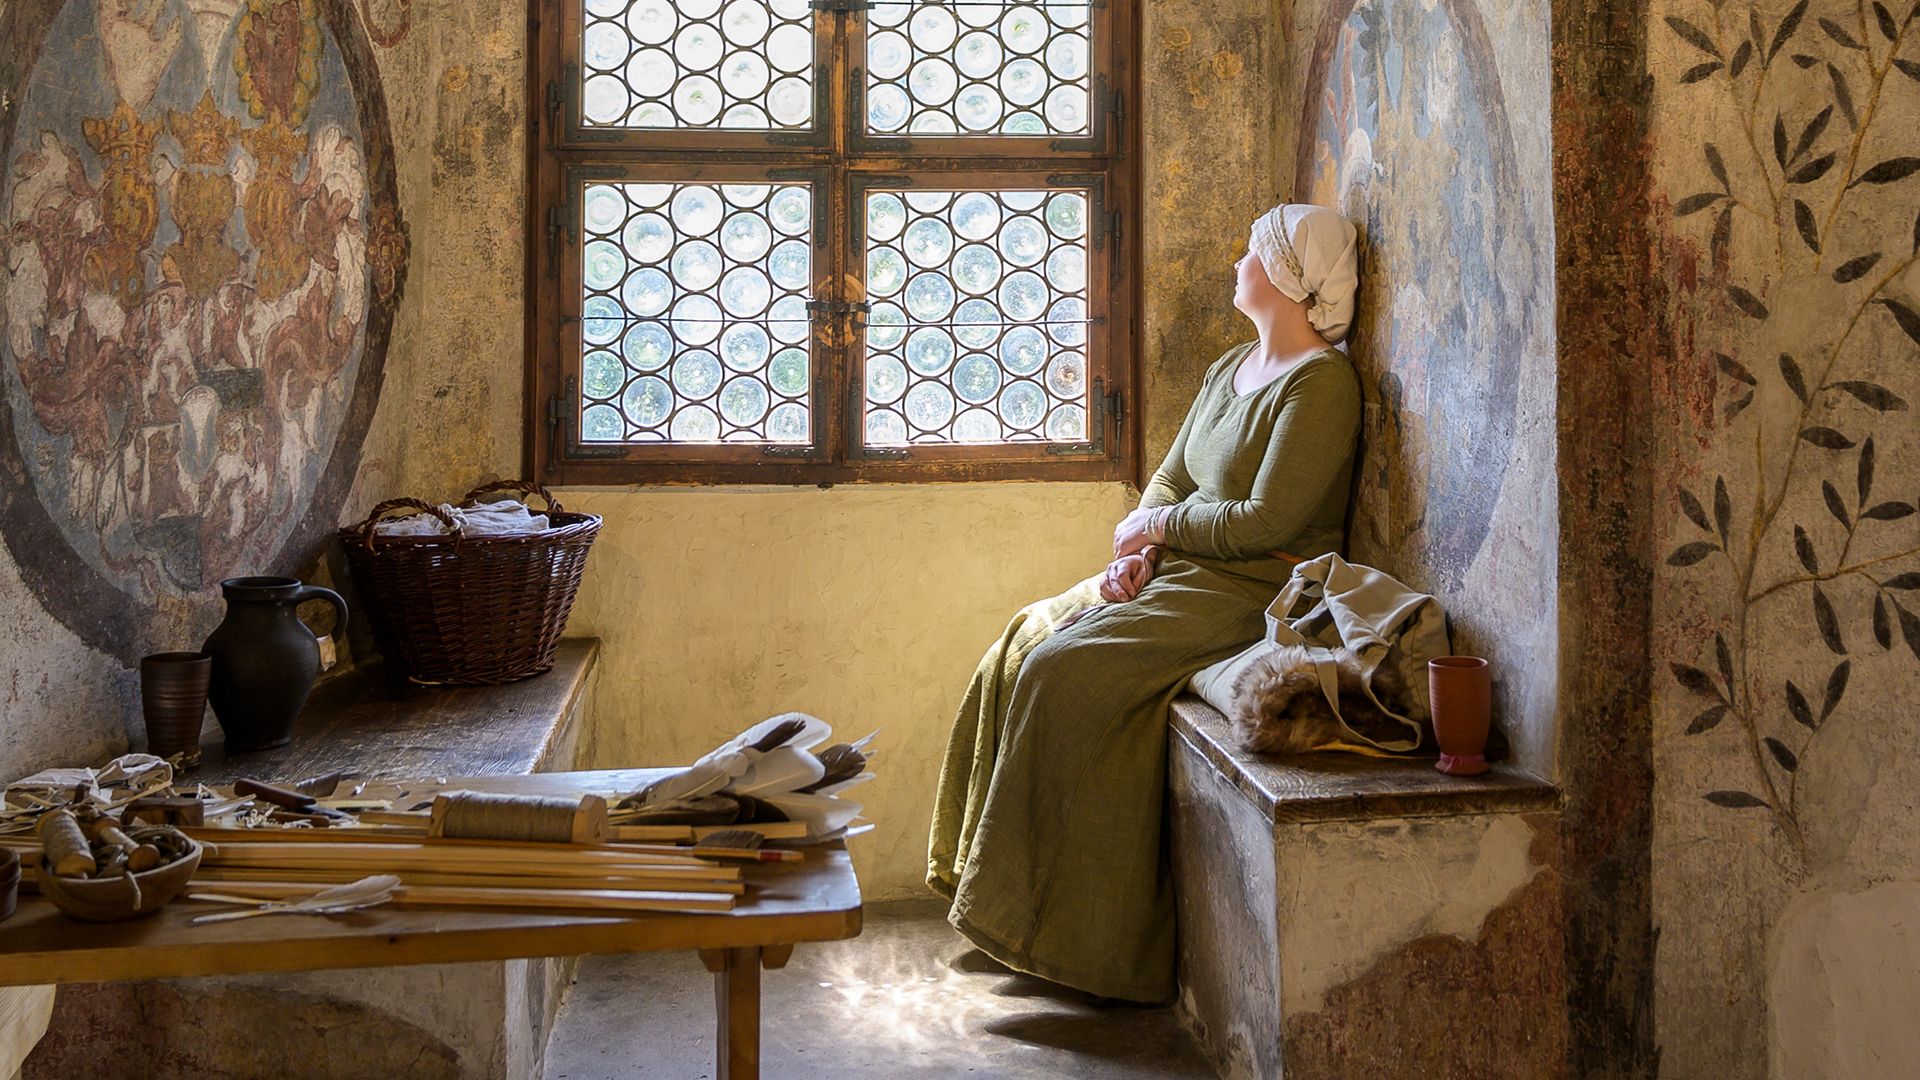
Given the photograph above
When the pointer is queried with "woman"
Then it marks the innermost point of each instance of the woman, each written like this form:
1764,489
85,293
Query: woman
1046,830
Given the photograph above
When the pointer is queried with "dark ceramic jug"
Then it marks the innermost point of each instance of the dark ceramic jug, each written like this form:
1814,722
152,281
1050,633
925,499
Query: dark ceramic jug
265,659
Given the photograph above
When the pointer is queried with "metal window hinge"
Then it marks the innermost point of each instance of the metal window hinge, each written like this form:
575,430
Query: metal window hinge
1103,405
553,240
563,430
556,98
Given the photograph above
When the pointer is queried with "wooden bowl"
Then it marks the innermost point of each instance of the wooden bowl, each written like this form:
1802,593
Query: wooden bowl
124,897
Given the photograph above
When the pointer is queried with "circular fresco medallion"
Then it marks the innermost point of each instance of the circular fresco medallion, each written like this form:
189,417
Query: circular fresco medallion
204,252
1406,133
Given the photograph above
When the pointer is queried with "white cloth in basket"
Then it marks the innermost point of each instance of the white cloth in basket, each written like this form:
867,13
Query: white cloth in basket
504,518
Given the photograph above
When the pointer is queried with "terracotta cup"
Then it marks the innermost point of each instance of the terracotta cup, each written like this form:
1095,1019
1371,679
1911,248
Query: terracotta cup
173,695
1462,696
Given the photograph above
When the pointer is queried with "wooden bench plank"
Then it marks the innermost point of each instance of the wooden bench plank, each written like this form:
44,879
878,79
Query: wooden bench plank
1351,787
379,727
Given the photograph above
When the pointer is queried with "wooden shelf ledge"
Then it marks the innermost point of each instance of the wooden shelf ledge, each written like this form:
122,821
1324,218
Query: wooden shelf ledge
371,726
1349,787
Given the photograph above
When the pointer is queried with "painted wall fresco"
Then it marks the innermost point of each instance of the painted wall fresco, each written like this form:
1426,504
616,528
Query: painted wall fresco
1406,128
1790,674
204,252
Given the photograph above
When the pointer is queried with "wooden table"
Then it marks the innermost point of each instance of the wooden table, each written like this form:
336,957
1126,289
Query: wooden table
817,899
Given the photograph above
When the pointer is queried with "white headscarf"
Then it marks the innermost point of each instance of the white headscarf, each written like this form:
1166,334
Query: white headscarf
1310,255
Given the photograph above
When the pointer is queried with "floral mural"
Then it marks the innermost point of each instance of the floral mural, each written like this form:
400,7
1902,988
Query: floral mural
203,253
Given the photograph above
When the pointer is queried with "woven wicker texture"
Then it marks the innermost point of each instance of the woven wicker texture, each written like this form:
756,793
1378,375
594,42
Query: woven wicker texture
469,610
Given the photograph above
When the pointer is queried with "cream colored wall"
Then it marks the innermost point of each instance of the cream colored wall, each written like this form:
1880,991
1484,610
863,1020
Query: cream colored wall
865,606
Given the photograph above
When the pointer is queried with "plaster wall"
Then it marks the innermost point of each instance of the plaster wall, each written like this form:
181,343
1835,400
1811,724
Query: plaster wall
1788,671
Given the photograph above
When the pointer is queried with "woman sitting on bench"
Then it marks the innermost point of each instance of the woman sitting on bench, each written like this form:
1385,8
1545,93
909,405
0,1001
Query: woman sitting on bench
1047,825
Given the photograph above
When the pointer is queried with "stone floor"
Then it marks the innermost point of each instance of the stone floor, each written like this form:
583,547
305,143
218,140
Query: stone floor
906,1000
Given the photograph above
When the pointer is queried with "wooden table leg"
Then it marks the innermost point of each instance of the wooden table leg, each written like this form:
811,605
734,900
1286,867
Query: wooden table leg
736,1006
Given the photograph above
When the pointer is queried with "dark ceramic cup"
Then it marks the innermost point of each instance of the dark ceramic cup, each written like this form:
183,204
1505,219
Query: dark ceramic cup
173,695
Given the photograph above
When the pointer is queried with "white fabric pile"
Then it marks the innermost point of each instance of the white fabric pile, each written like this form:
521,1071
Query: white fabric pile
778,774
505,518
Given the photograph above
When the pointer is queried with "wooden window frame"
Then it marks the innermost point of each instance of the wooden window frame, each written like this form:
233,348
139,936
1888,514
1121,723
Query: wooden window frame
842,163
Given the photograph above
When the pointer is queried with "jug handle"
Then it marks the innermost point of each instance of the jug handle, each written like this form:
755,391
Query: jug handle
315,592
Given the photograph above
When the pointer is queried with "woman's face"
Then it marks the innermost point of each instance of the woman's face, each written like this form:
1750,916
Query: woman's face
1253,290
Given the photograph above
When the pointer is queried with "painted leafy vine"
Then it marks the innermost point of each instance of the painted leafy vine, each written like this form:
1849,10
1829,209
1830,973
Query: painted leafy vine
1796,170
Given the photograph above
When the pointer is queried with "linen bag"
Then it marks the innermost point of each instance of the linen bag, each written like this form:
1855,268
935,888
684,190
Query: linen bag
1366,611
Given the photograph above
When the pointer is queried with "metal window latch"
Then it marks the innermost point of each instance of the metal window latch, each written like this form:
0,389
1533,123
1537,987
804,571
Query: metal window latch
836,307
1101,405
841,5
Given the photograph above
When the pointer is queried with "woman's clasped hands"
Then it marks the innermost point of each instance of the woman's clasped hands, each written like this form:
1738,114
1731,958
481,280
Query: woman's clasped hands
1133,550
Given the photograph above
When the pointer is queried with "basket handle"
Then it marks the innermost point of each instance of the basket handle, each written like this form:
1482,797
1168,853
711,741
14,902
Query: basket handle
525,487
366,527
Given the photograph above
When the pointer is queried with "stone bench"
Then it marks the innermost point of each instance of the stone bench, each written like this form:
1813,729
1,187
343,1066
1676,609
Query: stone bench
480,1021
1321,897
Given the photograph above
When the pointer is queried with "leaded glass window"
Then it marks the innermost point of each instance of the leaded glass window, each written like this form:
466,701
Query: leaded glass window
747,271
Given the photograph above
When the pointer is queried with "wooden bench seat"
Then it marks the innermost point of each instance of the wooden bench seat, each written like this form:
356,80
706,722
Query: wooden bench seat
1293,875
477,1021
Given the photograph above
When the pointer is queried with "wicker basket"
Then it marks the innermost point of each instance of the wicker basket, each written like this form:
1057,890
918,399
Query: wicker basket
472,610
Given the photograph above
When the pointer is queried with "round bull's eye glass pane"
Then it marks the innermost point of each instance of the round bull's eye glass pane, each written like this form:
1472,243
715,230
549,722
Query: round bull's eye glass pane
886,428
1067,215
1067,268
745,237
977,323
888,55
1067,376
744,401
791,210
788,372
1067,423
745,292
696,374
929,406
978,108
605,208
651,21
1023,350
745,22
1024,29
744,346
696,210
886,217
647,292
606,99
1023,296
1067,108
929,351
698,99
606,8
744,75
976,426
976,216
604,265
929,202
605,46
1023,82
886,272
696,266
929,242
976,269
887,107
648,401
929,297
886,326
600,374
1067,322
600,424
696,321
647,346
933,29
651,73
1023,405
696,425
790,48
790,265
787,320
1023,241
1067,56
978,55
698,47
886,379
648,238
788,423
976,378
600,320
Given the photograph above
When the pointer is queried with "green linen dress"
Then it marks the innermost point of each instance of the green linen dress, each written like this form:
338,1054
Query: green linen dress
1047,823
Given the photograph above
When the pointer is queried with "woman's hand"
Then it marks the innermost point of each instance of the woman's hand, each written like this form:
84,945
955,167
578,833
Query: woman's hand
1125,577
1134,532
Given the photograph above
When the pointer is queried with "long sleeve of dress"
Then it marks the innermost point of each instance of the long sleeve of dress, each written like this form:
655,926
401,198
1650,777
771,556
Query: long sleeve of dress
1254,494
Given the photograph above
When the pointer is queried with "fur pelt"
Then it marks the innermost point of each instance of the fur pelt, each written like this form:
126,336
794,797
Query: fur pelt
1278,707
